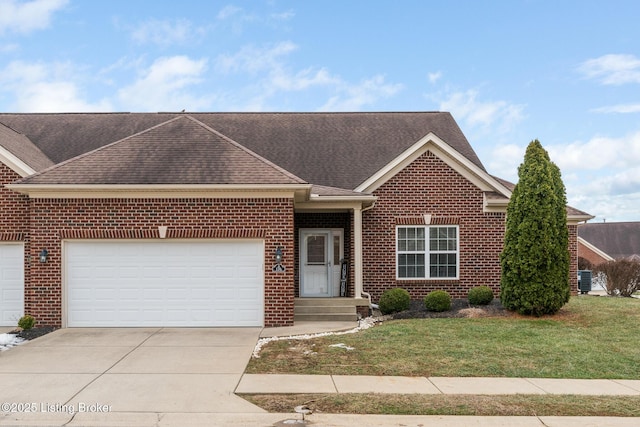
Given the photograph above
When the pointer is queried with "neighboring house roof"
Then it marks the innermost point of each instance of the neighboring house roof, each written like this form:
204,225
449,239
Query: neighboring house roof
179,151
338,150
616,239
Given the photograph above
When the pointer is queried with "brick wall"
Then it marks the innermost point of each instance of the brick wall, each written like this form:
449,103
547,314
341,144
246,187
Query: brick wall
14,206
573,263
590,255
55,219
430,186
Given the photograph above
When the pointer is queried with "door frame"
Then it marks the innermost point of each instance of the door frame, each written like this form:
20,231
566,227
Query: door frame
333,269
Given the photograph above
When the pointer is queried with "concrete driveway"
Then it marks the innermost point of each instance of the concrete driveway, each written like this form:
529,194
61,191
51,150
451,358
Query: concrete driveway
84,375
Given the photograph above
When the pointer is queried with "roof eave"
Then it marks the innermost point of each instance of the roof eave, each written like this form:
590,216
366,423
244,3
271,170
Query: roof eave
93,191
576,219
335,203
15,164
595,249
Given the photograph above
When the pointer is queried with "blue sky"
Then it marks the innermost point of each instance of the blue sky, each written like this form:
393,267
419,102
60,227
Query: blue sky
564,72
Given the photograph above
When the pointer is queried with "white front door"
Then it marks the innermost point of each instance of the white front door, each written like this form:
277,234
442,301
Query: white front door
321,254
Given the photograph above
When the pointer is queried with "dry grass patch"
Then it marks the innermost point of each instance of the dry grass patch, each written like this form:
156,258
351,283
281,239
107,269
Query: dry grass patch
403,404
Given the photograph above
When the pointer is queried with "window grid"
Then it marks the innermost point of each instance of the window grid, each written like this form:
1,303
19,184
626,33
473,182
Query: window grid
417,260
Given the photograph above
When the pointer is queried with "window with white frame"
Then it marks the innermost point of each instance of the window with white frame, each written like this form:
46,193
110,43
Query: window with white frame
427,252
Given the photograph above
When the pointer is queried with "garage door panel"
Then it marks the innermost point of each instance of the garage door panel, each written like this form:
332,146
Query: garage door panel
11,283
193,283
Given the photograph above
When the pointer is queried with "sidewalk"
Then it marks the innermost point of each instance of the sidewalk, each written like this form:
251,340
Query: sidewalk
295,384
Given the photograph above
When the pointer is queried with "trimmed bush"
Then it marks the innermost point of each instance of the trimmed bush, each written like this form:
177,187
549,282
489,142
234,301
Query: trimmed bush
394,300
26,322
438,301
480,295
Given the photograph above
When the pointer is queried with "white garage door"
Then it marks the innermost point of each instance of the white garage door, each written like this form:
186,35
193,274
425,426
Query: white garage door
11,283
160,283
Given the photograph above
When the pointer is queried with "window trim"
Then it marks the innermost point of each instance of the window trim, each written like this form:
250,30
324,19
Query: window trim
427,252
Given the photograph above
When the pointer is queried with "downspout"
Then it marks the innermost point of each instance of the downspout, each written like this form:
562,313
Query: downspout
358,244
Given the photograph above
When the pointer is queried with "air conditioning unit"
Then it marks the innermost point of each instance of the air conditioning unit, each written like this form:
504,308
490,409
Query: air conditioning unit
584,281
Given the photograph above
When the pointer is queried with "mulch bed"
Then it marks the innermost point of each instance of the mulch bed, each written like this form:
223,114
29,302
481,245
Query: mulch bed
33,333
460,308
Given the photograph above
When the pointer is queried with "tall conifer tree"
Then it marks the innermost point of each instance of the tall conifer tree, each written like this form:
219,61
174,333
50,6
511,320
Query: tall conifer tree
535,259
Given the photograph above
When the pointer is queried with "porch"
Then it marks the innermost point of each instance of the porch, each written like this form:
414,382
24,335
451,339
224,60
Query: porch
328,256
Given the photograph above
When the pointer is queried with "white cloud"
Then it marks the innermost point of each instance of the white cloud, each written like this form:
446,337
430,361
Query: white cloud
235,18
495,116
25,17
434,77
601,175
11,47
166,32
620,108
283,16
505,159
46,87
165,86
600,152
253,59
355,97
228,12
271,75
61,96
305,79
613,69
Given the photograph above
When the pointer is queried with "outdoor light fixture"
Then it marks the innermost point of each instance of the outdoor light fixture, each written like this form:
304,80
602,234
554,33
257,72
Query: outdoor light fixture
44,254
278,255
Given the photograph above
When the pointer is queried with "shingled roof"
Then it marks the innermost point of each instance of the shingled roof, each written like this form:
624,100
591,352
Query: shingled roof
179,151
616,239
21,147
339,150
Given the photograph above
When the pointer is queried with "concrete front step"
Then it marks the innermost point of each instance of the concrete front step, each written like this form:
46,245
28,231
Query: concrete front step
331,317
345,302
329,309
325,309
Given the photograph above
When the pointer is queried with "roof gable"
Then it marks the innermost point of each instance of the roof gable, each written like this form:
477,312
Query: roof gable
431,142
179,151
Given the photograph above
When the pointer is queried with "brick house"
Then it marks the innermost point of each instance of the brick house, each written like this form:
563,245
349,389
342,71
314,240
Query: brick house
240,219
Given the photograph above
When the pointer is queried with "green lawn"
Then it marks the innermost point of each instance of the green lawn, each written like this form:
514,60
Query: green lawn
591,337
